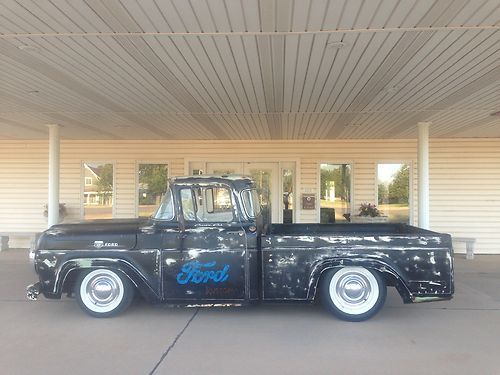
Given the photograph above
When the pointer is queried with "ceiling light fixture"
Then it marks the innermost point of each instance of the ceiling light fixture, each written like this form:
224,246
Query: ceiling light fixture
26,47
336,44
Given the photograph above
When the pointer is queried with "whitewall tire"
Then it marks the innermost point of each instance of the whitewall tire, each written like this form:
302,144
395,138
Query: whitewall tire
103,293
353,293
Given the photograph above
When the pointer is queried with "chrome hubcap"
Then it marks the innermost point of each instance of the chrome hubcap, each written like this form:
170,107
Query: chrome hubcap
353,288
102,290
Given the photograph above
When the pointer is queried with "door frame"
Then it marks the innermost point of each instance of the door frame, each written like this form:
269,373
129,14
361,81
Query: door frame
297,211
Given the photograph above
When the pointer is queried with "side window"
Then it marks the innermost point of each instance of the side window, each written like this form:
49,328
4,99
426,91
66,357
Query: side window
213,204
188,204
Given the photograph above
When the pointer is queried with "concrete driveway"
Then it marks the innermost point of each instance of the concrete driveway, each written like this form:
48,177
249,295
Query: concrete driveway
461,336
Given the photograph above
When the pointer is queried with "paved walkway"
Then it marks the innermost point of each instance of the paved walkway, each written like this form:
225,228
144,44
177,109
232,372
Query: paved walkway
461,336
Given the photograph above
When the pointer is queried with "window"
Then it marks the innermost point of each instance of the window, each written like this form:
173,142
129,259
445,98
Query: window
207,204
152,185
88,181
393,181
166,209
98,196
251,202
287,178
335,193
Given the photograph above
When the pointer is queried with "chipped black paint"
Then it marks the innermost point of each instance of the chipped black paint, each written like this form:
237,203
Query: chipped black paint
268,263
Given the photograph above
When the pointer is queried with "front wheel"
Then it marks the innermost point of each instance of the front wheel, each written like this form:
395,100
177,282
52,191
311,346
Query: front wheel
353,293
103,293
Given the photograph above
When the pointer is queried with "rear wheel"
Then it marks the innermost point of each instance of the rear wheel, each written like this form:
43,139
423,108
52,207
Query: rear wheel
103,293
353,293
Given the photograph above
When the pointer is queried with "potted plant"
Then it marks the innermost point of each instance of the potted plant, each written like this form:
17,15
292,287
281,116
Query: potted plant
368,213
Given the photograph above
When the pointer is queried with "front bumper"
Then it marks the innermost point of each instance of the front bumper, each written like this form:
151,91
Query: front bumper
32,291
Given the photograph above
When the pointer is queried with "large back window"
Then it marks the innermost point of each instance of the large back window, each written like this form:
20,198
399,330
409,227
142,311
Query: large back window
251,202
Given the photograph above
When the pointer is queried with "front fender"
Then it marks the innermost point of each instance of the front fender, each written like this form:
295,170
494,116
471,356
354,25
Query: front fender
70,267
390,272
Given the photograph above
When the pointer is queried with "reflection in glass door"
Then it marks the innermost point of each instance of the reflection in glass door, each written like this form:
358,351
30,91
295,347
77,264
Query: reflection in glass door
224,168
265,176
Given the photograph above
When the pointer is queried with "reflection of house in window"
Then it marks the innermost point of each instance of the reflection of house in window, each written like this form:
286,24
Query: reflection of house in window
98,189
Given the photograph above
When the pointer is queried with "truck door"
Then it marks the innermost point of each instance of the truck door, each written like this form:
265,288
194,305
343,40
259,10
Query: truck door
209,264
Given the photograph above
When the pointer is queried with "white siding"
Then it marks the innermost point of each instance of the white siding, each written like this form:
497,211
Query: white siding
465,176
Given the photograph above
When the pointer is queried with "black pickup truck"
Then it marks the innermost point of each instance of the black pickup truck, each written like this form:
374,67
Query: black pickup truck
207,244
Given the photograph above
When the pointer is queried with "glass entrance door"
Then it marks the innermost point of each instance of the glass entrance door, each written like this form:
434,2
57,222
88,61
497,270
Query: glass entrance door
266,178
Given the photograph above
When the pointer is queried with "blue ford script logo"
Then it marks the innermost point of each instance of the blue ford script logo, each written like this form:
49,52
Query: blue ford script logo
197,273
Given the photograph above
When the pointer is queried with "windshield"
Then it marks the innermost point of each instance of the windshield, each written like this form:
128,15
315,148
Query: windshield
251,202
166,209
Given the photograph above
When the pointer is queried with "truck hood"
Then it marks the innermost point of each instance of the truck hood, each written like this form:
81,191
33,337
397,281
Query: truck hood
92,235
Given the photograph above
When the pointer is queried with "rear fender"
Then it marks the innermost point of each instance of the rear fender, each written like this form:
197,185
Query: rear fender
70,268
389,271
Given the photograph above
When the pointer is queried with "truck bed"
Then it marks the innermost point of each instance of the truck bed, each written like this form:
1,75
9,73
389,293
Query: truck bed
422,259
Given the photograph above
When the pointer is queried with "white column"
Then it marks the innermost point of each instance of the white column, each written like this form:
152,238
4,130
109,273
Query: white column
423,175
54,152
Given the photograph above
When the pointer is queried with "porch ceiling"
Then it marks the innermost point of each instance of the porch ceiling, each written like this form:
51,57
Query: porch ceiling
249,69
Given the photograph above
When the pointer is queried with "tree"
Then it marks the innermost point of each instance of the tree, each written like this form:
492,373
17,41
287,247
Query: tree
399,186
104,182
341,176
383,193
153,182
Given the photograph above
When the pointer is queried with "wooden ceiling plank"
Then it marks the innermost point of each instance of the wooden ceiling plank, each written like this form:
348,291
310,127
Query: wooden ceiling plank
232,72
194,64
387,9
289,71
349,14
235,15
183,73
318,51
242,64
411,73
189,18
129,73
218,58
251,13
83,15
367,12
457,79
139,50
196,49
364,69
475,13
331,87
171,15
303,57
253,60
53,16
351,72
137,10
333,14
91,67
